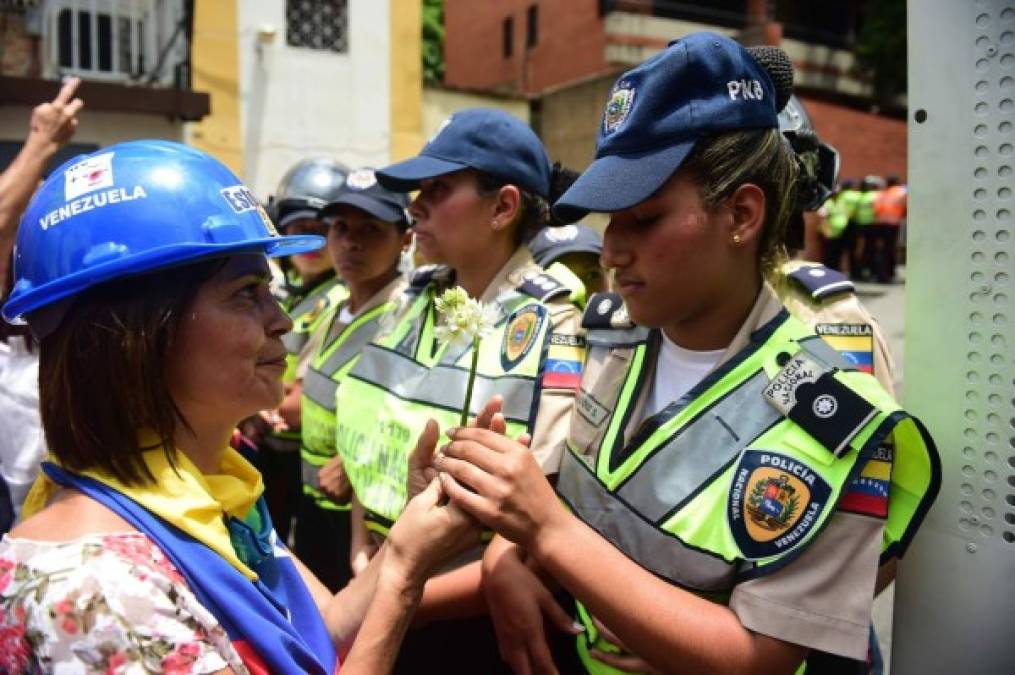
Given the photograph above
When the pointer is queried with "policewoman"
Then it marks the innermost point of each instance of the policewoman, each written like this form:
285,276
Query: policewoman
367,235
311,287
149,546
725,466
484,182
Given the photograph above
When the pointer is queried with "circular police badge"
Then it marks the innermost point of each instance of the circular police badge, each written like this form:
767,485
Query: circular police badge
523,327
774,502
361,179
559,234
618,107
604,306
824,406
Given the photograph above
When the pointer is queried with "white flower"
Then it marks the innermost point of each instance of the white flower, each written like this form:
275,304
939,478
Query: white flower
464,319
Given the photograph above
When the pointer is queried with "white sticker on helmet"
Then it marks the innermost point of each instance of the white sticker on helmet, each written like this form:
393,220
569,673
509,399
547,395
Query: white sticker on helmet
87,175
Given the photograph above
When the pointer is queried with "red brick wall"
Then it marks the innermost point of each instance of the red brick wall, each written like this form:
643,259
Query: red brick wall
867,144
571,44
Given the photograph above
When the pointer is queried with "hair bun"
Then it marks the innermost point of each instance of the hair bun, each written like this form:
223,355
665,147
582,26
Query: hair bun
561,179
779,67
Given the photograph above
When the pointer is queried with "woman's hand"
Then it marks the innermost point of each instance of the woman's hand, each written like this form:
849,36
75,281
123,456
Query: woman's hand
626,662
426,535
421,471
498,481
333,481
518,602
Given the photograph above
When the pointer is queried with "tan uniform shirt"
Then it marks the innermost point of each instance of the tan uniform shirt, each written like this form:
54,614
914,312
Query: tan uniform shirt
821,600
841,309
555,403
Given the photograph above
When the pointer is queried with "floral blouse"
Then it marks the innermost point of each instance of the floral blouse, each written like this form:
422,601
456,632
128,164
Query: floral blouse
108,604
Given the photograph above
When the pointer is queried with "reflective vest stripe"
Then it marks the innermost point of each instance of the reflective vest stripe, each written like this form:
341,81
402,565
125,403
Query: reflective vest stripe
660,552
318,384
684,463
293,341
320,389
446,384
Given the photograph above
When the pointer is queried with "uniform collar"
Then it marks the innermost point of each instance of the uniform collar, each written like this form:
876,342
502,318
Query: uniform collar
766,307
511,275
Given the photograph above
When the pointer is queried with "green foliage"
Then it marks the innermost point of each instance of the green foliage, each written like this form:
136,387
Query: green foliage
433,41
881,47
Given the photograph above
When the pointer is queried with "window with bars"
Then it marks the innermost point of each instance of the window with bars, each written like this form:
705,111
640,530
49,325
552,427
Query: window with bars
317,24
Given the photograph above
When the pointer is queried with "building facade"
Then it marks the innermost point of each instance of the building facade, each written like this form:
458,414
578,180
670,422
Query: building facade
564,55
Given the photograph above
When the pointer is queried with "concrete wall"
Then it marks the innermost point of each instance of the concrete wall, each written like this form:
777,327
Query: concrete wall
299,102
439,103
100,128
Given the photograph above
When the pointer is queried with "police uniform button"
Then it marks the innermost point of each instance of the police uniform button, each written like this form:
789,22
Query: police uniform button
782,358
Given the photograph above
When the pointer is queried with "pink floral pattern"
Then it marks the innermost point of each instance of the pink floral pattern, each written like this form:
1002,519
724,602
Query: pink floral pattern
108,604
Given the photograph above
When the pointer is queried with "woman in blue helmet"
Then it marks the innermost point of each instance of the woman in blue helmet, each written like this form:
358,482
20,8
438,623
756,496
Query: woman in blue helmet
142,268
729,481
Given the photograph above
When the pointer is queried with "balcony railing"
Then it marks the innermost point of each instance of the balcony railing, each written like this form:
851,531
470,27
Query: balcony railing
140,41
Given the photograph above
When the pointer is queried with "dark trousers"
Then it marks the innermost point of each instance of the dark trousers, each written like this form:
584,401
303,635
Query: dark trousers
469,647
283,487
885,239
452,647
834,248
323,542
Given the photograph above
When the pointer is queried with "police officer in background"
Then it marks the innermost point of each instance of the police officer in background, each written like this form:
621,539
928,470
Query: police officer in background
310,288
367,235
484,182
577,247
725,468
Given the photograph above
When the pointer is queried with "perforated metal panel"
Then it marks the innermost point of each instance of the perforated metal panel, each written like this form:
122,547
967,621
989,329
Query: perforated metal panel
955,598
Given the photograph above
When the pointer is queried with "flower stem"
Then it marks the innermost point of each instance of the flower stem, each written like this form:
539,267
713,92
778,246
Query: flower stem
472,381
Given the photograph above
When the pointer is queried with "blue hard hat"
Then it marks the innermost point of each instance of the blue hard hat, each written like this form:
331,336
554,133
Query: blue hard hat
129,209
700,85
484,139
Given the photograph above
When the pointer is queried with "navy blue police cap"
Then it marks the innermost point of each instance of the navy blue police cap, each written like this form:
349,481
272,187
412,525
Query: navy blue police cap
553,242
700,85
362,191
484,139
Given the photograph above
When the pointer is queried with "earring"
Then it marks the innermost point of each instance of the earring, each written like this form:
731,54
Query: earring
736,238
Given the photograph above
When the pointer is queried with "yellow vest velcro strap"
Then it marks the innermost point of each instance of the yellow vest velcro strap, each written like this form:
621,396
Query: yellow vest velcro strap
446,384
644,542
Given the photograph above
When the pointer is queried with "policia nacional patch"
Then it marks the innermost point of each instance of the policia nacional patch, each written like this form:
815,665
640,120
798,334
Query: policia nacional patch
523,327
774,502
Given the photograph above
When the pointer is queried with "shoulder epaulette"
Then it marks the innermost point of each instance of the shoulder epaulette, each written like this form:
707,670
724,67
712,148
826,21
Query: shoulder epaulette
424,275
821,281
542,287
606,311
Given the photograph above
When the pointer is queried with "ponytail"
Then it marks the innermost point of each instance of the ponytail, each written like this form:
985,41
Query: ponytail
534,211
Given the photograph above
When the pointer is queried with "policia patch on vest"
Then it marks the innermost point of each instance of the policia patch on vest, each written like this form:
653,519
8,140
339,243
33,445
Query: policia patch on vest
774,502
520,333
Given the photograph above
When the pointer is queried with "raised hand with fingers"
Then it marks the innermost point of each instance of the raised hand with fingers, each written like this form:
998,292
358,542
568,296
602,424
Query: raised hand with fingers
56,121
